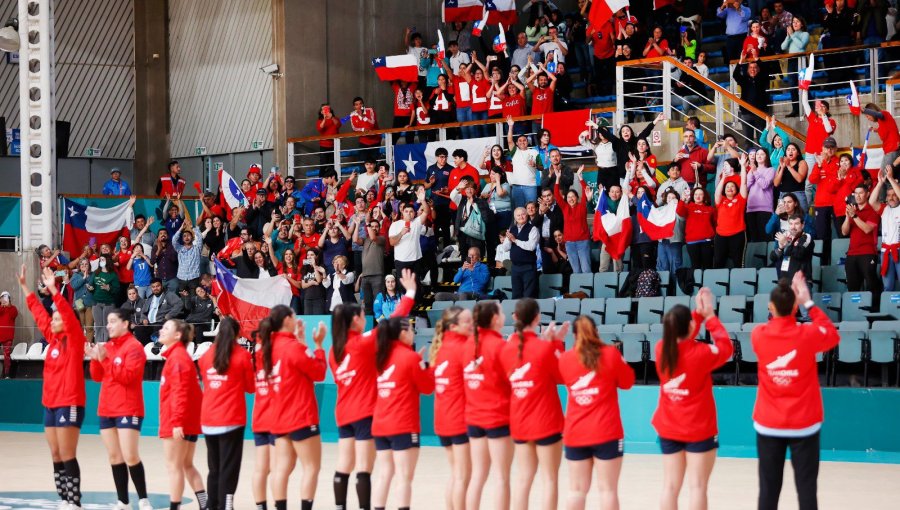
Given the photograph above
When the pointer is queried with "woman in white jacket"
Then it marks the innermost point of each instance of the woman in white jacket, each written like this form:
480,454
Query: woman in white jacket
605,145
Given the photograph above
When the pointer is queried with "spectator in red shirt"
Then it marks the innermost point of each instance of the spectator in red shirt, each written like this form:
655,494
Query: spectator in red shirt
171,184
657,45
404,104
887,130
8,314
824,176
543,85
731,230
699,229
362,119
328,125
604,41
861,224
692,160
463,169
848,177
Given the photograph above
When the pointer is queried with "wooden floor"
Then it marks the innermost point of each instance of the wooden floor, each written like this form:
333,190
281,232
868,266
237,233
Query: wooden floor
25,466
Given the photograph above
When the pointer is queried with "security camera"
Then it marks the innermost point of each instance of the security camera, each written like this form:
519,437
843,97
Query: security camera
271,69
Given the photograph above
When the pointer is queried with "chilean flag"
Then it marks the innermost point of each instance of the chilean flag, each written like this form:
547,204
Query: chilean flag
441,51
807,76
86,224
657,222
853,101
500,41
479,25
501,11
230,194
462,10
603,10
397,67
612,229
249,300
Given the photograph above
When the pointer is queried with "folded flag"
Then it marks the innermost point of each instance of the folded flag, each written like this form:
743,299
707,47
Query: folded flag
441,51
603,10
500,41
249,300
565,126
462,10
807,75
87,224
853,100
613,229
397,67
501,11
657,222
479,25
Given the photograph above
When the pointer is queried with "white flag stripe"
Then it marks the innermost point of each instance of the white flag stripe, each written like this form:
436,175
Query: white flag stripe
102,220
267,292
401,61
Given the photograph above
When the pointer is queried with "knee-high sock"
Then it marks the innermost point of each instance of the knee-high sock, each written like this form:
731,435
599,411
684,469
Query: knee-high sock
120,476
59,478
341,481
73,482
364,490
140,482
202,500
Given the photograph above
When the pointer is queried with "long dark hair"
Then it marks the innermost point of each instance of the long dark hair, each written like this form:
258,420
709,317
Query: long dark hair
482,315
186,330
527,310
341,318
225,341
676,324
448,318
587,342
267,327
388,331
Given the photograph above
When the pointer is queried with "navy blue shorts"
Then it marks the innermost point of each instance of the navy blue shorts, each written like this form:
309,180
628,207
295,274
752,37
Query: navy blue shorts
398,443
451,440
121,422
360,430
263,439
546,441
191,438
476,432
604,451
69,416
302,434
669,446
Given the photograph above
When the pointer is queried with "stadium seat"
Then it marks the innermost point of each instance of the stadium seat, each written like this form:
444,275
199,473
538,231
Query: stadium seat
148,352
437,309
665,282
650,310
582,282
19,352
756,255
548,307
839,249
834,279
671,301
732,327
717,281
611,330
636,328
550,286
853,326
425,331
830,303
465,305
732,308
743,281
503,283
766,278
420,340
567,309
35,351
886,326
621,282
855,306
594,308
191,347
750,326
890,305
882,346
743,353
606,285
507,330
632,346
656,330
852,349
618,311
761,308
818,255
508,307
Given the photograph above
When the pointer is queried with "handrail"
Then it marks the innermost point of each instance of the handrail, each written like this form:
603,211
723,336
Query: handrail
449,125
782,56
894,80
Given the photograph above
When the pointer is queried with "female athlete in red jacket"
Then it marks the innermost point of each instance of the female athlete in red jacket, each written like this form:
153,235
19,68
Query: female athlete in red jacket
487,405
179,422
352,361
592,372
686,416
535,412
450,335
63,389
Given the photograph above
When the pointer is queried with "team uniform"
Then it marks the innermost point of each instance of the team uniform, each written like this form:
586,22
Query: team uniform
535,413
593,423
486,386
261,421
395,423
179,394
294,371
788,410
121,375
685,418
449,395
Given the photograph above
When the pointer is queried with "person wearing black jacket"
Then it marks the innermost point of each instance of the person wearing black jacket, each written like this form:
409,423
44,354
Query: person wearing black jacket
629,141
549,218
243,263
559,171
794,251
201,310
258,214
753,78
466,197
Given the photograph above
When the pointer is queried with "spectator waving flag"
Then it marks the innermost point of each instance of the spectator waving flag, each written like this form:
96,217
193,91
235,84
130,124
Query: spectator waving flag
441,51
551,66
479,25
565,127
502,12
462,10
807,75
248,300
500,42
853,101
613,229
657,222
397,67
230,193
85,224
603,10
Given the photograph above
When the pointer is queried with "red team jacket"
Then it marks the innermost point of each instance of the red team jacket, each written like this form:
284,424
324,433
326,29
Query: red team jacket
121,374
592,411
399,386
224,404
534,411
486,385
449,395
687,410
293,401
788,395
355,374
262,418
63,369
179,393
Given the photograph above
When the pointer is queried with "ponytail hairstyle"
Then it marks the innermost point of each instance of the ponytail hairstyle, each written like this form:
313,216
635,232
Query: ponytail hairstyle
185,330
482,315
341,318
587,342
388,331
527,310
267,327
676,324
449,318
224,342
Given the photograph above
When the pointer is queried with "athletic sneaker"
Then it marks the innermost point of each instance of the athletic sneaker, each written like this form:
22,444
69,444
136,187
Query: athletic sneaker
121,506
144,504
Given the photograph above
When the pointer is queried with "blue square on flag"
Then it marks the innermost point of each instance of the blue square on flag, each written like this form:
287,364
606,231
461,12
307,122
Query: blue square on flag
411,157
76,214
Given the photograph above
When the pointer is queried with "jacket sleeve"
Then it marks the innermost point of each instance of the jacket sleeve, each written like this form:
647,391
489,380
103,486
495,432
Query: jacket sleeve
70,320
423,378
821,333
180,388
377,307
41,317
247,372
721,349
177,307
314,366
97,371
772,225
404,306
130,370
624,373
480,277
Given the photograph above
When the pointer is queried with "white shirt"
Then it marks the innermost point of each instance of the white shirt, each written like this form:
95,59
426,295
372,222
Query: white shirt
520,55
605,155
456,60
333,280
547,47
365,182
524,170
890,224
408,249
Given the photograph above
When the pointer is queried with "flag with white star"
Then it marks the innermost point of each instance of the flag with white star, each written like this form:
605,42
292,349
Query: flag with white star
85,223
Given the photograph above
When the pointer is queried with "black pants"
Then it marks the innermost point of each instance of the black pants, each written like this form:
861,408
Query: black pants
756,226
605,76
524,281
314,307
414,266
701,255
400,122
729,248
443,219
733,46
804,460
863,269
223,454
643,256
752,125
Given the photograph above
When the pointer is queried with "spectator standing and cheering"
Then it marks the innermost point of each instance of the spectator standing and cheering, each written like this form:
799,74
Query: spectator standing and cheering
327,125
171,184
115,186
794,250
521,241
362,120
754,83
693,162
404,234
890,227
861,224
736,16
8,314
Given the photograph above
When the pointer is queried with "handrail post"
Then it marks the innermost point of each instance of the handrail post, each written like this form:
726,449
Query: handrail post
732,87
290,159
337,155
888,98
498,129
389,150
720,113
667,89
620,97
442,134
873,73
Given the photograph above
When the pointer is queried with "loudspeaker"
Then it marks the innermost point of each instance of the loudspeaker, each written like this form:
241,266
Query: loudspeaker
63,129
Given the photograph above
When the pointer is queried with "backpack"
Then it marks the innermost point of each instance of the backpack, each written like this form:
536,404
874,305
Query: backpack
648,284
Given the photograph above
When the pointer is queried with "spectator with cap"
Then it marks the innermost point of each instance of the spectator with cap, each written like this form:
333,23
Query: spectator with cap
171,184
8,314
115,186
254,175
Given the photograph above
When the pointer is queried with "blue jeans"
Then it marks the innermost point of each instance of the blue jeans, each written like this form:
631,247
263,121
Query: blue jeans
464,114
171,285
579,255
892,279
521,195
479,131
668,256
144,292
